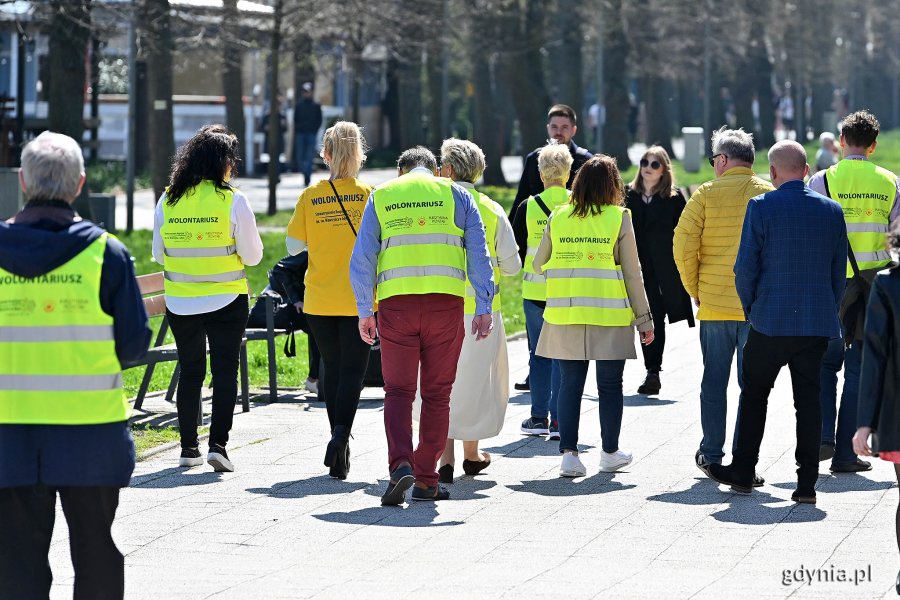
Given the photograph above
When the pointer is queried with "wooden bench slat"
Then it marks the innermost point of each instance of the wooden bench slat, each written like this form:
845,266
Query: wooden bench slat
151,284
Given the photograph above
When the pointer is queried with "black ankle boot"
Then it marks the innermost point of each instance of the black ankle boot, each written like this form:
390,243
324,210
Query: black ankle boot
336,451
342,465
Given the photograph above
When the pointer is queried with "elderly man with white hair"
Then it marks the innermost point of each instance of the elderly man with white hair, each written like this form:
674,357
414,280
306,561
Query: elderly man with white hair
67,291
827,154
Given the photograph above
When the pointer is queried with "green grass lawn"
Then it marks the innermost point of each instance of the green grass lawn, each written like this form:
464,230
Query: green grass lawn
148,436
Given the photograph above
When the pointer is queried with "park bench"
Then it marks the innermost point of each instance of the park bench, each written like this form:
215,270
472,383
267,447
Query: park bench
152,288
268,335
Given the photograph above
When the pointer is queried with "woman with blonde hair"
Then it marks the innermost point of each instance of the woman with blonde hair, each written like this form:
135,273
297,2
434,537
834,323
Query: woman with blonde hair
325,222
656,204
595,298
481,390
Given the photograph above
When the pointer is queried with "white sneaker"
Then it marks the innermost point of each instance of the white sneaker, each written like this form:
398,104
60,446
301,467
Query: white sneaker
312,385
571,465
614,461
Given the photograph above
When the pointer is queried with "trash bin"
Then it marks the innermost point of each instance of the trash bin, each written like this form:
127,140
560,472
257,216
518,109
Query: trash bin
693,148
99,208
10,193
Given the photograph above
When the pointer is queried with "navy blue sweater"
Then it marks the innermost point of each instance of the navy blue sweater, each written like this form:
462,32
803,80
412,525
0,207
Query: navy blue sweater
42,237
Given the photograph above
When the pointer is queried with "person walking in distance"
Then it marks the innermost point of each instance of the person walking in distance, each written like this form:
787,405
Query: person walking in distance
419,239
307,120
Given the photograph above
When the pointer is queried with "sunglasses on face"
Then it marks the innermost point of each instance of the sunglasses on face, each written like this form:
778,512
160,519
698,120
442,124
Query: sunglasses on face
712,159
653,165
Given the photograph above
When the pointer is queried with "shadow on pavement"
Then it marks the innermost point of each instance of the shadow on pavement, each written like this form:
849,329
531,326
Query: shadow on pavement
641,400
463,488
703,491
752,510
415,514
845,482
174,477
323,485
601,483
529,446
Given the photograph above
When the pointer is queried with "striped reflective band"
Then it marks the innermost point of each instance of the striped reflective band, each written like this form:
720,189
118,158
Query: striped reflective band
588,302
60,383
201,252
213,278
410,239
531,251
58,333
872,256
533,278
470,291
438,271
585,273
867,228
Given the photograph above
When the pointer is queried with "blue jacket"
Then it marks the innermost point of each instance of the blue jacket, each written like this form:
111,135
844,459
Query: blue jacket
790,267
43,237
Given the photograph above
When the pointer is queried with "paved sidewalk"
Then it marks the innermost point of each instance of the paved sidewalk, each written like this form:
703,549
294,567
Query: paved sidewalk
279,527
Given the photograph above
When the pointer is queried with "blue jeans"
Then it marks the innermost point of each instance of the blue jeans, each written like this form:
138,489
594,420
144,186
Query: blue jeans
842,438
544,372
304,149
571,387
718,342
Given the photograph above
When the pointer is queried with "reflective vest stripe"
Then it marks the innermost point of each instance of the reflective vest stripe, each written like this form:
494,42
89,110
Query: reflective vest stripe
585,273
60,383
214,278
200,252
584,301
410,239
534,278
58,333
867,228
872,256
432,271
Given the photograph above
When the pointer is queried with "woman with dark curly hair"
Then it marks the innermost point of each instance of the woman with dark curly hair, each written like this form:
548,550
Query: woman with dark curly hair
204,233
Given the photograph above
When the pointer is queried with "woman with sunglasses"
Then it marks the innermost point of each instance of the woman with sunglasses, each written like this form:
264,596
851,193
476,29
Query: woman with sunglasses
656,206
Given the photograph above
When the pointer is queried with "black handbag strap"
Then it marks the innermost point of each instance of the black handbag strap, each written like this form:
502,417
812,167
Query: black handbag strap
346,216
850,254
542,205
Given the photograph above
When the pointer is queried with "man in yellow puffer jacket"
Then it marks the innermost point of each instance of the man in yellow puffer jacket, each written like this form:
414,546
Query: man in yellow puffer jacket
705,247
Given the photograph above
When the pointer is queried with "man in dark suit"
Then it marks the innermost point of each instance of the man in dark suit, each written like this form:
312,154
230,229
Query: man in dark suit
789,275
562,128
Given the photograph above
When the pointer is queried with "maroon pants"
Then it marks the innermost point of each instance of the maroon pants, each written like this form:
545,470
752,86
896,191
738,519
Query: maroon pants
419,332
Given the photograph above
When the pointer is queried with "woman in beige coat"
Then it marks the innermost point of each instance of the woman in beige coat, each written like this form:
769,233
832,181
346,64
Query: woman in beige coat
595,298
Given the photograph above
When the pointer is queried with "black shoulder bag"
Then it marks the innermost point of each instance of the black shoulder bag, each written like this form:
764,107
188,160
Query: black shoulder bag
543,206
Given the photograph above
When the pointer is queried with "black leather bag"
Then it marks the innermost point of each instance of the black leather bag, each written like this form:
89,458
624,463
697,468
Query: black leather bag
852,312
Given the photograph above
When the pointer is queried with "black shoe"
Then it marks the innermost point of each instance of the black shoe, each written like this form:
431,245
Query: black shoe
341,464
651,385
336,446
702,463
534,426
218,458
401,480
474,467
437,492
856,466
826,452
724,475
553,430
445,474
804,497
524,386
190,457
758,481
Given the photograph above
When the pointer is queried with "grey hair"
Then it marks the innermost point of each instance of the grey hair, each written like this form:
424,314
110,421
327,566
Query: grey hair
825,136
734,143
418,156
52,166
465,157
555,162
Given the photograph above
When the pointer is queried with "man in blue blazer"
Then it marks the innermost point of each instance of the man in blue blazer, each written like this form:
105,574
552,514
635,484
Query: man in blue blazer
790,274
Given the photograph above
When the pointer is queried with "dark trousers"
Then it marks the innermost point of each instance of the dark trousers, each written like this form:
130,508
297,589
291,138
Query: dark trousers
419,332
314,356
764,356
653,352
26,526
346,358
224,329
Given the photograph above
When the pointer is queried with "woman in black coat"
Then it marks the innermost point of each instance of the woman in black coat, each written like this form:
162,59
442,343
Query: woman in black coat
656,205
879,378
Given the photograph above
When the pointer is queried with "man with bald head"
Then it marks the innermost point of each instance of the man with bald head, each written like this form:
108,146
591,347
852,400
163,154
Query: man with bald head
789,274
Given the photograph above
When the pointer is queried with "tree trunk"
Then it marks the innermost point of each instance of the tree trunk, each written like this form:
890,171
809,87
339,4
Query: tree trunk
615,57
274,124
761,69
660,106
742,91
70,31
434,68
158,54
232,84
566,60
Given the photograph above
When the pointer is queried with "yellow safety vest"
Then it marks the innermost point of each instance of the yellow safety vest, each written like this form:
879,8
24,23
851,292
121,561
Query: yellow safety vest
201,257
534,285
490,214
585,286
422,250
866,192
58,363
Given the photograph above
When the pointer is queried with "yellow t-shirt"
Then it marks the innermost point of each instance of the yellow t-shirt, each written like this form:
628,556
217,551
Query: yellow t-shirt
319,221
